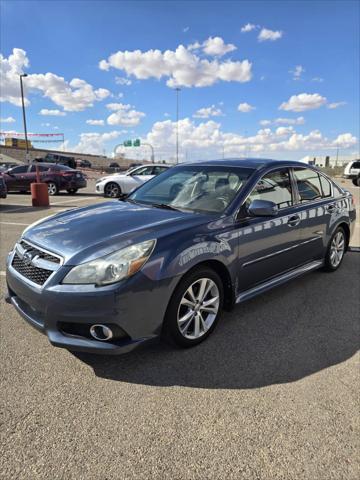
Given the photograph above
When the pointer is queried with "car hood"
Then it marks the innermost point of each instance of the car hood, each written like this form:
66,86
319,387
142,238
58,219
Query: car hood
86,233
113,176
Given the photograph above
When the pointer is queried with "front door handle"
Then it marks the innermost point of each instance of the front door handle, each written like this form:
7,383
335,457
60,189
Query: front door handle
294,220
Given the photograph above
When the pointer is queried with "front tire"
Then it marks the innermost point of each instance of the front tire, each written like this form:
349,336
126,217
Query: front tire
112,190
195,308
336,250
53,189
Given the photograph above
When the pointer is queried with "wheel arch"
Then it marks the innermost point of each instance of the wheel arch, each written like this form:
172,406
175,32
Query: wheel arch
224,274
346,228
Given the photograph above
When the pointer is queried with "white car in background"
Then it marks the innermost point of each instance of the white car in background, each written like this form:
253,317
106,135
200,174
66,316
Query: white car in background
352,171
118,183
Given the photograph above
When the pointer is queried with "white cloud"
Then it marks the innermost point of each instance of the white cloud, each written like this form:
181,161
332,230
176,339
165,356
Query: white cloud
52,113
181,67
245,107
207,112
265,123
207,140
334,105
215,46
317,79
10,69
95,142
345,140
186,29
95,122
46,124
303,101
297,72
7,120
123,115
283,121
248,27
269,35
123,81
75,95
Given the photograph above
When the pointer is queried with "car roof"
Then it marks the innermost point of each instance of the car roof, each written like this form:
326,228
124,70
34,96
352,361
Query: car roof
255,163
152,165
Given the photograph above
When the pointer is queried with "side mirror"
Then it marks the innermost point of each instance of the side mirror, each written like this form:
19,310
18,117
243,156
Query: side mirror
263,208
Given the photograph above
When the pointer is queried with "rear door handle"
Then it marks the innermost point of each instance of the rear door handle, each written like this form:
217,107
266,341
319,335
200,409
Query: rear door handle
294,220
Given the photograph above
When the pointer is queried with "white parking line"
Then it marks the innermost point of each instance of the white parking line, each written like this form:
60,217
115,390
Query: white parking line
14,223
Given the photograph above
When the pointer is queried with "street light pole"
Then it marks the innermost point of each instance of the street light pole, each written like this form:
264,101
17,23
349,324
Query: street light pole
177,89
24,117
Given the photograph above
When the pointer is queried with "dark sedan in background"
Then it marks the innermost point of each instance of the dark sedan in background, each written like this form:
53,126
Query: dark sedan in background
161,262
58,177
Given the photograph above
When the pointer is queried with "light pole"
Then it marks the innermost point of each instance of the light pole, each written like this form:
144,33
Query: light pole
24,117
177,89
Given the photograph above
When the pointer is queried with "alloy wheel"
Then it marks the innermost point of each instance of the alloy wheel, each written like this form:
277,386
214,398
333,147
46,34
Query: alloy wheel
198,308
112,190
337,249
52,189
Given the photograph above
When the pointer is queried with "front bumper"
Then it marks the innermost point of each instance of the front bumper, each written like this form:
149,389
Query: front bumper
137,306
99,188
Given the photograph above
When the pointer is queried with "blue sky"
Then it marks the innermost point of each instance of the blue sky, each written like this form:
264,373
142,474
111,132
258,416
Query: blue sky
285,86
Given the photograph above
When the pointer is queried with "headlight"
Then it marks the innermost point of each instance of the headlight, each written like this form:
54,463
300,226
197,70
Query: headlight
113,267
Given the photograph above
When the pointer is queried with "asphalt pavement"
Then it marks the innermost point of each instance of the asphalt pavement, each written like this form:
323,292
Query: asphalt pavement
272,394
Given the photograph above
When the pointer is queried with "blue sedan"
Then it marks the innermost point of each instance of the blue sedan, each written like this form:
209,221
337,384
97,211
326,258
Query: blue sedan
165,260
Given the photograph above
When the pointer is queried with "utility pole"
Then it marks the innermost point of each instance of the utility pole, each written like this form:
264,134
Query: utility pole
177,89
24,117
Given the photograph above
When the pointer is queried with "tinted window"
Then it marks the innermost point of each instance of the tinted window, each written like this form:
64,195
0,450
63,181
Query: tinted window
42,168
326,187
142,171
308,183
21,169
355,165
157,170
275,187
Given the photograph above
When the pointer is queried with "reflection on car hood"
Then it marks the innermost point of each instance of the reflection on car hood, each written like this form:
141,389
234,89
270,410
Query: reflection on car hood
90,232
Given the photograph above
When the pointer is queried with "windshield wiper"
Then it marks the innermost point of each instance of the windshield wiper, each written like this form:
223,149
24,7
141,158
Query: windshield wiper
165,206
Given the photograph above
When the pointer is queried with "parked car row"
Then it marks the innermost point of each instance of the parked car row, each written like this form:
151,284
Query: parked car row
58,178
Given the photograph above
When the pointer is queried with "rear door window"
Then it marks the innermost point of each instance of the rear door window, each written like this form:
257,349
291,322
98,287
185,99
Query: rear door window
308,184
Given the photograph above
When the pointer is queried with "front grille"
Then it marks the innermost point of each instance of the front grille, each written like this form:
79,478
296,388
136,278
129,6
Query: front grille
35,274
40,253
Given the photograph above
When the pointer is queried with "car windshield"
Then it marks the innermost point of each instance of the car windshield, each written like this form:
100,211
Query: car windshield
205,189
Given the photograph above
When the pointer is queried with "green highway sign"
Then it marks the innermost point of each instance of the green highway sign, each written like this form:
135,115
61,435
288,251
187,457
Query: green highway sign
132,143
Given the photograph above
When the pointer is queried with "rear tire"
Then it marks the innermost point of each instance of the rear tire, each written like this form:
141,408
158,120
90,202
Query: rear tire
194,309
336,250
53,189
112,190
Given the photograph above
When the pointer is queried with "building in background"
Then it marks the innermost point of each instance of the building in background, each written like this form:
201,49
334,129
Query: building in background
330,160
